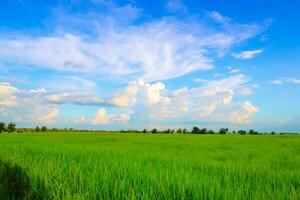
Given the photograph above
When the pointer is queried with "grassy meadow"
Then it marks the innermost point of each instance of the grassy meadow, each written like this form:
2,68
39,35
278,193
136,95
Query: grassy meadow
149,166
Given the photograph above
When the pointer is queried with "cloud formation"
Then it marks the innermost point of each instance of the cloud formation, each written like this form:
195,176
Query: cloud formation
281,81
26,105
247,54
168,45
103,119
123,45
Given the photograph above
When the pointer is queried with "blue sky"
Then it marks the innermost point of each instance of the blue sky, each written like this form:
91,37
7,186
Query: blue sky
103,64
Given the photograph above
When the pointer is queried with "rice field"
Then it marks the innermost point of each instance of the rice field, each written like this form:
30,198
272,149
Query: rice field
149,166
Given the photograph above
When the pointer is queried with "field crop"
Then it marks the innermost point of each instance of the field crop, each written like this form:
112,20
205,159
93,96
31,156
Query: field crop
149,166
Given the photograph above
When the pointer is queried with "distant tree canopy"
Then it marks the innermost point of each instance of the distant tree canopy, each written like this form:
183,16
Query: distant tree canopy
37,129
154,131
2,127
195,130
223,131
44,128
242,132
11,127
252,132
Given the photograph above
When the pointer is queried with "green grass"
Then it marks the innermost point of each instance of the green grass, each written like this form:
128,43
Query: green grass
138,166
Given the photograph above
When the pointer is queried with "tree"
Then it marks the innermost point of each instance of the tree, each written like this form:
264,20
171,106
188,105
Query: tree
252,132
179,131
272,132
242,132
11,127
154,131
37,129
223,130
145,130
202,131
44,128
210,132
184,131
2,126
195,130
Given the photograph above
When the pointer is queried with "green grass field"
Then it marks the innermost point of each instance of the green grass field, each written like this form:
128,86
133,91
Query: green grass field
140,166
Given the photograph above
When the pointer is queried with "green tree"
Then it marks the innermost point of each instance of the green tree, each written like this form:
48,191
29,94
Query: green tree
195,130
252,132
2,126
168,131
210,132
145,130
179,131
223,130
242,132
11,127
44,128
37,129
154,131
184,131
203,131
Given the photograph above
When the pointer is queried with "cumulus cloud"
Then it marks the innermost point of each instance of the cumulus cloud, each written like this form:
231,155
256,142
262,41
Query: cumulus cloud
48,116
126,96
211,101
247,54
281,81
102,118
121,44
243,113
8,95
26,105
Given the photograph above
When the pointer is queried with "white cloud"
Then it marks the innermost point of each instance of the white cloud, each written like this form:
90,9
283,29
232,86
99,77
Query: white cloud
79,98
48,116
247,54
39,91
23,105
200,80
213,101
243,113
126,96
169,46
8,95
285,80
234,71
103,118
246,91
117,47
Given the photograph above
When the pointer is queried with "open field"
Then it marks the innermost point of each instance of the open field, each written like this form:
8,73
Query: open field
141,166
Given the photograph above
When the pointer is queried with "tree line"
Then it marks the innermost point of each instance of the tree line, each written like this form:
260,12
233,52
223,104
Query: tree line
11,127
